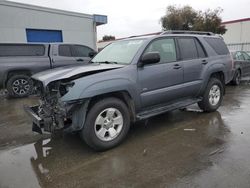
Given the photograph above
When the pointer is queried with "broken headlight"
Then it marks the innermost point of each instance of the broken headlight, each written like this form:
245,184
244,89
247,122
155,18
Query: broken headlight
65,86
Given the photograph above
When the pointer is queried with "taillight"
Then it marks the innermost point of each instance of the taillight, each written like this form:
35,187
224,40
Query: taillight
232,61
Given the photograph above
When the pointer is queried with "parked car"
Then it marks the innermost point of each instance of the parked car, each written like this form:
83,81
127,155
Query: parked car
19,61
130,80
241,66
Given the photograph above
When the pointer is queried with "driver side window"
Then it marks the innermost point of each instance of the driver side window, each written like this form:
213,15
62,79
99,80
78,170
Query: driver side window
166,49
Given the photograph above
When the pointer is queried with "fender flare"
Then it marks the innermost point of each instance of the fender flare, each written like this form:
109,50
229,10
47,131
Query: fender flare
215,68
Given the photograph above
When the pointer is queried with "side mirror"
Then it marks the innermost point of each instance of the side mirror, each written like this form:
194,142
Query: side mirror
150,58
92,54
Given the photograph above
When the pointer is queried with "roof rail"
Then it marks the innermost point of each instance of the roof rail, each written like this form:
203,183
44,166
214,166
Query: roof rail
187,32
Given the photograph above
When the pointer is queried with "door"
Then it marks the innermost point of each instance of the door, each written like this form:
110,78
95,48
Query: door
160,83
81,53
194,61
246,63
62,55
67,54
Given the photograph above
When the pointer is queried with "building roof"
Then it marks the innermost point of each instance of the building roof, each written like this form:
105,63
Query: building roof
236,21
103,18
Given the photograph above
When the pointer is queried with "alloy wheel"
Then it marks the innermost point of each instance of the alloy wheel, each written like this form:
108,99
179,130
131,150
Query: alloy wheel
21,86
214,95
108,124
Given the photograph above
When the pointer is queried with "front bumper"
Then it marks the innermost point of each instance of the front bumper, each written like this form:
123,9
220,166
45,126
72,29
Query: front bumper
69,117
42,122
37,121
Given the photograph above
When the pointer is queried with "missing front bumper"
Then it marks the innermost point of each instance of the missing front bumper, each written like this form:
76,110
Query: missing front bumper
70,118
37,122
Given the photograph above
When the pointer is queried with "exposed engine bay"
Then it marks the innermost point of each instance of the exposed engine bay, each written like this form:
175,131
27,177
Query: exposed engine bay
52,112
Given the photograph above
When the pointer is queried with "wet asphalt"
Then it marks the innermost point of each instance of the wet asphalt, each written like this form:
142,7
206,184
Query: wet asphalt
177,149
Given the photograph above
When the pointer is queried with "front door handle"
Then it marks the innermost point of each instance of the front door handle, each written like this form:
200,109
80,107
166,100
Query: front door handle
204,62
177,66
79,60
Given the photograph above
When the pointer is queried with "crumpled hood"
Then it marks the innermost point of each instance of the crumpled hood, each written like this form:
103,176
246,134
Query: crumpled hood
71,71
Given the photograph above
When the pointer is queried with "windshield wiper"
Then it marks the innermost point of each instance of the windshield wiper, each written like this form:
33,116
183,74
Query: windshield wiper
107,62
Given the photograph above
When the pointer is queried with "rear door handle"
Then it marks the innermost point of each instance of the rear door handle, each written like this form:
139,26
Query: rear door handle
177,66
204,61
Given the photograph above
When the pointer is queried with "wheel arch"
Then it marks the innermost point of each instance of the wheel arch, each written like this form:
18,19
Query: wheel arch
10,73
240,69
78,123
219,74
123,95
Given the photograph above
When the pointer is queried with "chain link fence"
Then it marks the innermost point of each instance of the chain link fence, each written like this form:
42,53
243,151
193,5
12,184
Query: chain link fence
239,47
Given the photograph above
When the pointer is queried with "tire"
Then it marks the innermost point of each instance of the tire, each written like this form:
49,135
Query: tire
98,131
213,96
237,78
19,86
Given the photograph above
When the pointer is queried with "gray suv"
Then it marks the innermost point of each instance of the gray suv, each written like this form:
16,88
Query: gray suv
130,80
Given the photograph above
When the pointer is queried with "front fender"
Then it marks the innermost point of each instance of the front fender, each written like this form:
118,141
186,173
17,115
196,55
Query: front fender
103,87
107,86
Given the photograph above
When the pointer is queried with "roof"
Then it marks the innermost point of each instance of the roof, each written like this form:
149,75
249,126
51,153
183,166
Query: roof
236,21
162,33
56,11
134,36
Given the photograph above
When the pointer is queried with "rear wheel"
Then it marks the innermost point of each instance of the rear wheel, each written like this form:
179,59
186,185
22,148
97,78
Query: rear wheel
107,124
213,95
19,86
237,78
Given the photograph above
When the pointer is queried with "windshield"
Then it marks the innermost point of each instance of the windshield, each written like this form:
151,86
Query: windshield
121,52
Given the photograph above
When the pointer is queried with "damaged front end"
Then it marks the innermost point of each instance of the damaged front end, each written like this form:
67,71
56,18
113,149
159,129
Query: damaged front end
52,114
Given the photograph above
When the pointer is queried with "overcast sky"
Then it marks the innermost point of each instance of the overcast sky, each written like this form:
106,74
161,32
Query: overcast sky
135,17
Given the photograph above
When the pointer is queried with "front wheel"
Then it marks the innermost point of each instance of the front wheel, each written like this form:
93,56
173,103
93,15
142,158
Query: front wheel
107,124
212,97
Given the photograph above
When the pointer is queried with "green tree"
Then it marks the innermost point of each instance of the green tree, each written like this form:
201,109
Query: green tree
108,37
186,18
179,18
210,21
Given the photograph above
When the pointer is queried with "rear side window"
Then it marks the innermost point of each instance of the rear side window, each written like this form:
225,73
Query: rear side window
201,52
22,50
239,56
166,49
187,48
80,51
64,50
218,45
246,56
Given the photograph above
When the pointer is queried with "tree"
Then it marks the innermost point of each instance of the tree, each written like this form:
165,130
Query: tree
210,21
186,18
108,37
179,18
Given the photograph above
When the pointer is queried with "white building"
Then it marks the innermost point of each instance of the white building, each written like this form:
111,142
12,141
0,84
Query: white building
237,35
21,23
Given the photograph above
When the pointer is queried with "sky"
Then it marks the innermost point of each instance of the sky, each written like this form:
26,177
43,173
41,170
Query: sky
135,17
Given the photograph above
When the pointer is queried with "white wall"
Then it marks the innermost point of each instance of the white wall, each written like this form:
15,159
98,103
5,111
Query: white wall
237,32
15,18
